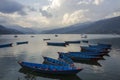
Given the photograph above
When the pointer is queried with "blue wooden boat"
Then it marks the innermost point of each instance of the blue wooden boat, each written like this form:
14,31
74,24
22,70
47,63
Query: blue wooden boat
72,42
56,43
88,53
19,43
15,36
100,46
105,45
50,69
29,74
55,62
93,49
46,39
81,57
97,46
85,41
66,59
6,45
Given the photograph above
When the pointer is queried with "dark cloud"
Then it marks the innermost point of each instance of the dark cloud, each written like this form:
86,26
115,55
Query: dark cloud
5,20
45,13
31,8
11,6
22,12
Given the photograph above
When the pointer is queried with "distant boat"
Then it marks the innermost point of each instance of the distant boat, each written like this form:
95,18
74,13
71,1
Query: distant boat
50,69
56,35
46,39
15,36
32,36
6,45
73,42
19,43
85,41
56,43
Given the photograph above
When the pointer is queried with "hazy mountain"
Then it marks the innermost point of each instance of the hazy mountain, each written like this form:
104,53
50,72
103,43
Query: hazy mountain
4,30
66,29
23,29
106,26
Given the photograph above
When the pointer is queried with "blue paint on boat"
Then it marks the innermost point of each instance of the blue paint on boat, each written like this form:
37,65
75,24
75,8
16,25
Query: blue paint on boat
56,43
19,43
55,62
73,42
93,49
100,46
88,53
65,59
105,45
82,57
85,41
46,39
6,45
50,69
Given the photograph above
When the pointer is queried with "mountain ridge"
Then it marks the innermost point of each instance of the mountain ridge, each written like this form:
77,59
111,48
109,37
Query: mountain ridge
99,27
106,26
4,30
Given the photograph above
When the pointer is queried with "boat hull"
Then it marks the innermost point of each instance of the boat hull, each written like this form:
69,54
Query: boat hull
55,72
82,57
6,45
86,59
88,53
20,43
91,49
56,44
72,42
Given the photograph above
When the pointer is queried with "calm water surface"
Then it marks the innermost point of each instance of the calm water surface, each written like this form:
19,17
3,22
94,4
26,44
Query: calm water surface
108,69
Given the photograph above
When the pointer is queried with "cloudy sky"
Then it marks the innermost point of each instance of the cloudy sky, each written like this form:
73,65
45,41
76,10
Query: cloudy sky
55,13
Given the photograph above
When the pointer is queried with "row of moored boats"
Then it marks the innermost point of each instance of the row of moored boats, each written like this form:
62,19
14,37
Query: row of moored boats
65,62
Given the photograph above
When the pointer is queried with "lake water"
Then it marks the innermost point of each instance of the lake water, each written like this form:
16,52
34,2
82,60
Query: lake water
108,69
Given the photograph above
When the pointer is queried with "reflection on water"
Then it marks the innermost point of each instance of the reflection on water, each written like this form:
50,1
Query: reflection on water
36,48
31,75
96,63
